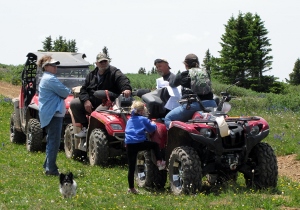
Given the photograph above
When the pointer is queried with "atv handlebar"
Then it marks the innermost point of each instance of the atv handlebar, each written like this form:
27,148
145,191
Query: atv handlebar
226,97
140,92
101,94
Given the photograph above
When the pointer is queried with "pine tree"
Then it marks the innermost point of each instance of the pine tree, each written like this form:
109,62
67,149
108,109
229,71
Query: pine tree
207,62
47,44
71,45
295,75
233,49
259,48
60,45
244,53
153,70
142,71
105,51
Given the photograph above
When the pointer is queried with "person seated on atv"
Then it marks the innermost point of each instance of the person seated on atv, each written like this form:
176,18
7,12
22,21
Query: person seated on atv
186,111
163,69
103,77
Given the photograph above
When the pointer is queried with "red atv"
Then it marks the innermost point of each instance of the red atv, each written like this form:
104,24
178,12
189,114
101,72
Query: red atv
199,148
24,123
106,131
106,135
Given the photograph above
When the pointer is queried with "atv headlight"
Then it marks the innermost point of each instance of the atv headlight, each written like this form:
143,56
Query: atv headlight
254,130
205,132
116,126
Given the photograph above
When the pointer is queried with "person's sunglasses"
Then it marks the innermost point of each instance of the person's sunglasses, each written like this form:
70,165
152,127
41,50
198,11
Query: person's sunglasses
104,61
54,65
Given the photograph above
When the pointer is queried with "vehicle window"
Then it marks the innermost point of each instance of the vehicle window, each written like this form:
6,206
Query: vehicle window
72,72
70,77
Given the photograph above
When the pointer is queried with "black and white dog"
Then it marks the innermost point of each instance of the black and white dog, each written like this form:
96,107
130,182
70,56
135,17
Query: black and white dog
67,186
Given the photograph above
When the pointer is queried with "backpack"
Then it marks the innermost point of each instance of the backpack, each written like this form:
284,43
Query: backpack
200,81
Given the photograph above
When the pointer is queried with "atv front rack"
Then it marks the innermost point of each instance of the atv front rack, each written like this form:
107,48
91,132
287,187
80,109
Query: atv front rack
228,119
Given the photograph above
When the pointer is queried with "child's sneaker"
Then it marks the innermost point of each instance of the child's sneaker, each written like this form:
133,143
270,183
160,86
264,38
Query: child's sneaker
133,191
82,133
161,164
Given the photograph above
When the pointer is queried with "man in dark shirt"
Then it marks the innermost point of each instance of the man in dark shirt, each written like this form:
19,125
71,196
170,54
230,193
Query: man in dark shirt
103,77
163,69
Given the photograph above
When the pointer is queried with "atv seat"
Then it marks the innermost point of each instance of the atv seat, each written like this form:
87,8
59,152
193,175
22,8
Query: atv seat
29,90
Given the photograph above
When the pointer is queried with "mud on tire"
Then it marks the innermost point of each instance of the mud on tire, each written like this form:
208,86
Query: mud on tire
147,174
263,162
185,172
15,135
69,144
98,147
34,136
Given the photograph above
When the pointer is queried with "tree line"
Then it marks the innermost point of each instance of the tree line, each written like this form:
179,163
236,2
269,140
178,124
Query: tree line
245,53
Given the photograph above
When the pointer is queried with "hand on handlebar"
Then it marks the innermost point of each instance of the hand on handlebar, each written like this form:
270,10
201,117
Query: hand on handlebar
126,93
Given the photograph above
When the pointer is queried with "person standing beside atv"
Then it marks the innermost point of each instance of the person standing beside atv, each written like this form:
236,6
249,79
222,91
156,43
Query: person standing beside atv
186,111
103,77
51,110
136,140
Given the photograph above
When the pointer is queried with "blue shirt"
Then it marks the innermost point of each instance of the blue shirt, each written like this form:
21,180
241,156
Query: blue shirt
51,98
136,127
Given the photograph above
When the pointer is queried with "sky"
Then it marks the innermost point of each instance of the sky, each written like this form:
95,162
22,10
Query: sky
136,32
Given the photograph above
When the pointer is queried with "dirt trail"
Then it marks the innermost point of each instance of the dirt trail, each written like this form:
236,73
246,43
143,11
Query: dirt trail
8,90
287,165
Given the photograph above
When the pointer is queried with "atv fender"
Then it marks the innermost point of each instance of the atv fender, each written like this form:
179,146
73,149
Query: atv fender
17,119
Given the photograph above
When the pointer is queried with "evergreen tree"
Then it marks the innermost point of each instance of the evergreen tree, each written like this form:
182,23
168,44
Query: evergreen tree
47,44
153,70
259,48
142,71
105,51
244,53
71,45
207,62
233,61
295,75
60,45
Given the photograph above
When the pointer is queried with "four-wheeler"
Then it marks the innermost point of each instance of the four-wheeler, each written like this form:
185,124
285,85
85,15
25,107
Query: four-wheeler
24,123
106,134
106,130
211,144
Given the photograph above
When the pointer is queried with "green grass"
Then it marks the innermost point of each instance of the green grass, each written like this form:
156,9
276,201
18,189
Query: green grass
24,186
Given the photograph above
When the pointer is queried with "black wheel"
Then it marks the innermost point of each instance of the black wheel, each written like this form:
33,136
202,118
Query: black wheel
69,144
147,174
15,135
34,136
98,148
263,163
185,172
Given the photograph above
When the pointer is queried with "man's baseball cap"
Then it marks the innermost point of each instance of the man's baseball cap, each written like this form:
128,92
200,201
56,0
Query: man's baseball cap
51,62
101,57
161,60
191,58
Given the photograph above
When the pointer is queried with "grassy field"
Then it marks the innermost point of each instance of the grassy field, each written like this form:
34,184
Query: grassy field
24,186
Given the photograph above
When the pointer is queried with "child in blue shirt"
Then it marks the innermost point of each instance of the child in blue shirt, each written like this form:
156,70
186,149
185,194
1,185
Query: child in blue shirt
135,140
